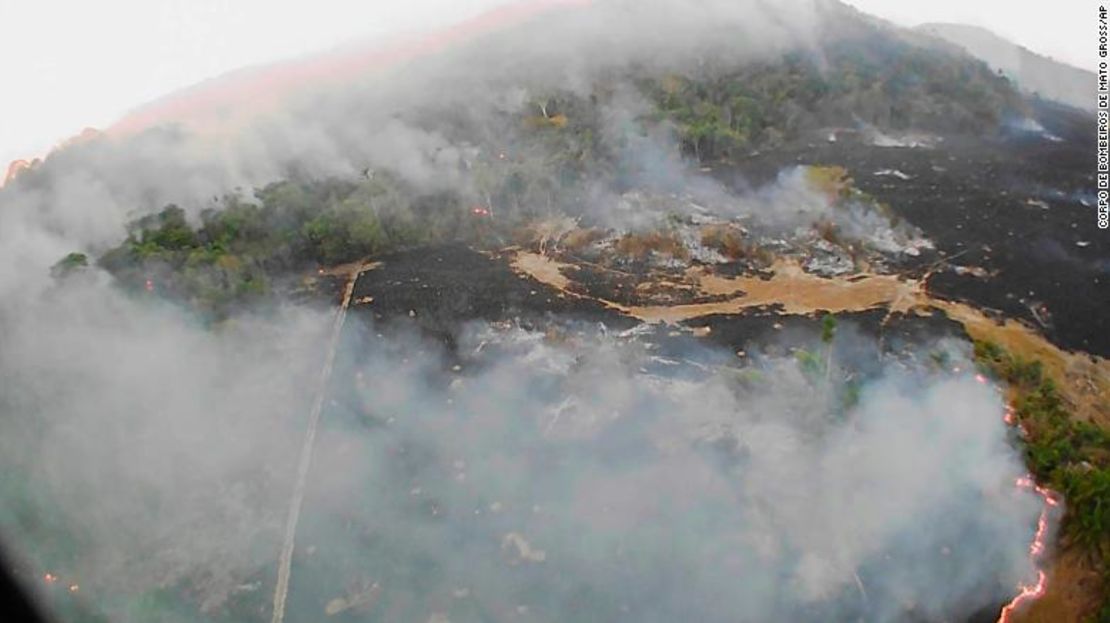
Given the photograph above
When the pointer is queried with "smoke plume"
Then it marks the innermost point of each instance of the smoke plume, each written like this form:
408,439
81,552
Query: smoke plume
543,479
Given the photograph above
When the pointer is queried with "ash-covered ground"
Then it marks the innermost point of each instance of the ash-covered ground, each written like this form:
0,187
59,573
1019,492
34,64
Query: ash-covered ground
1018,210
642,374
495,449
499,449
510,442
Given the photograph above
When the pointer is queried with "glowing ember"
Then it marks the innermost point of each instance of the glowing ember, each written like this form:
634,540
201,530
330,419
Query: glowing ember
50,578
149,285
73,588
982,379
16,168
1031,592
1028,593
479,211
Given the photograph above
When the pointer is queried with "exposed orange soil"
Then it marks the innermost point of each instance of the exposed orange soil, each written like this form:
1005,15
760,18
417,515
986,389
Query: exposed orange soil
796,291
543,269
1073,581
792,288
1084,380
1072,595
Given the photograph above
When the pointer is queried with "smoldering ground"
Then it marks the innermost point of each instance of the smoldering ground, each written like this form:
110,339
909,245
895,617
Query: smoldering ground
450,122
393,117
146,451
584,478
141,449
550,477
532,474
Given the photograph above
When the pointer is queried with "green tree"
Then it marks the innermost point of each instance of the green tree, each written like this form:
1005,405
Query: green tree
828,333
68,264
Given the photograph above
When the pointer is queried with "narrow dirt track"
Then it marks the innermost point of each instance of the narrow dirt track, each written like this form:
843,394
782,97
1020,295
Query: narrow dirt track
285,561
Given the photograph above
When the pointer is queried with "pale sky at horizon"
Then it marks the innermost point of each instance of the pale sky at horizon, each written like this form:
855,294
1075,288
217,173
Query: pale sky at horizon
70,65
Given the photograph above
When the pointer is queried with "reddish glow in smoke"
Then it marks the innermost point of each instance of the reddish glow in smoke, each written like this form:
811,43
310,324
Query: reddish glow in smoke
223,102
1028,593
51,579
17,167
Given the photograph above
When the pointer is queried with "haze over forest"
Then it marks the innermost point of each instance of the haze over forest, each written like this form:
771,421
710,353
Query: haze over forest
614,310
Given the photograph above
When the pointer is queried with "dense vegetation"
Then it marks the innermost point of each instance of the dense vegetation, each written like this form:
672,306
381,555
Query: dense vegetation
246,249
871,79
1071,456
552,156
237,253
69,263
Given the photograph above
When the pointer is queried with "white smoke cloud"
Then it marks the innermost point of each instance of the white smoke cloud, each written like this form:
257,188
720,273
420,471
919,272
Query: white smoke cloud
667,496
161,448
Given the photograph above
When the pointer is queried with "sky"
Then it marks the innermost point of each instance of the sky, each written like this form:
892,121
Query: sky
70,65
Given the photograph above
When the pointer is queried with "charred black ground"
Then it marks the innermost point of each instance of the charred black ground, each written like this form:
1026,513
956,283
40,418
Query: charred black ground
1019,206
441,289
1008,203
437,292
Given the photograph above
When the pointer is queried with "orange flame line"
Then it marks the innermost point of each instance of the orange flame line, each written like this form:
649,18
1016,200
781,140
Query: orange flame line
1037,547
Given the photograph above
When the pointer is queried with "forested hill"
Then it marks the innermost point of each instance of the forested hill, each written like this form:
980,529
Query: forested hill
1032,72
725,177
562,150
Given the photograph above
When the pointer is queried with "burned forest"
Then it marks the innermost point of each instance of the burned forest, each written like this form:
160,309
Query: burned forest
575,311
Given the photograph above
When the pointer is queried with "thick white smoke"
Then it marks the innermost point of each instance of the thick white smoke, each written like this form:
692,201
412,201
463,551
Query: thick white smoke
154,451
589,478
